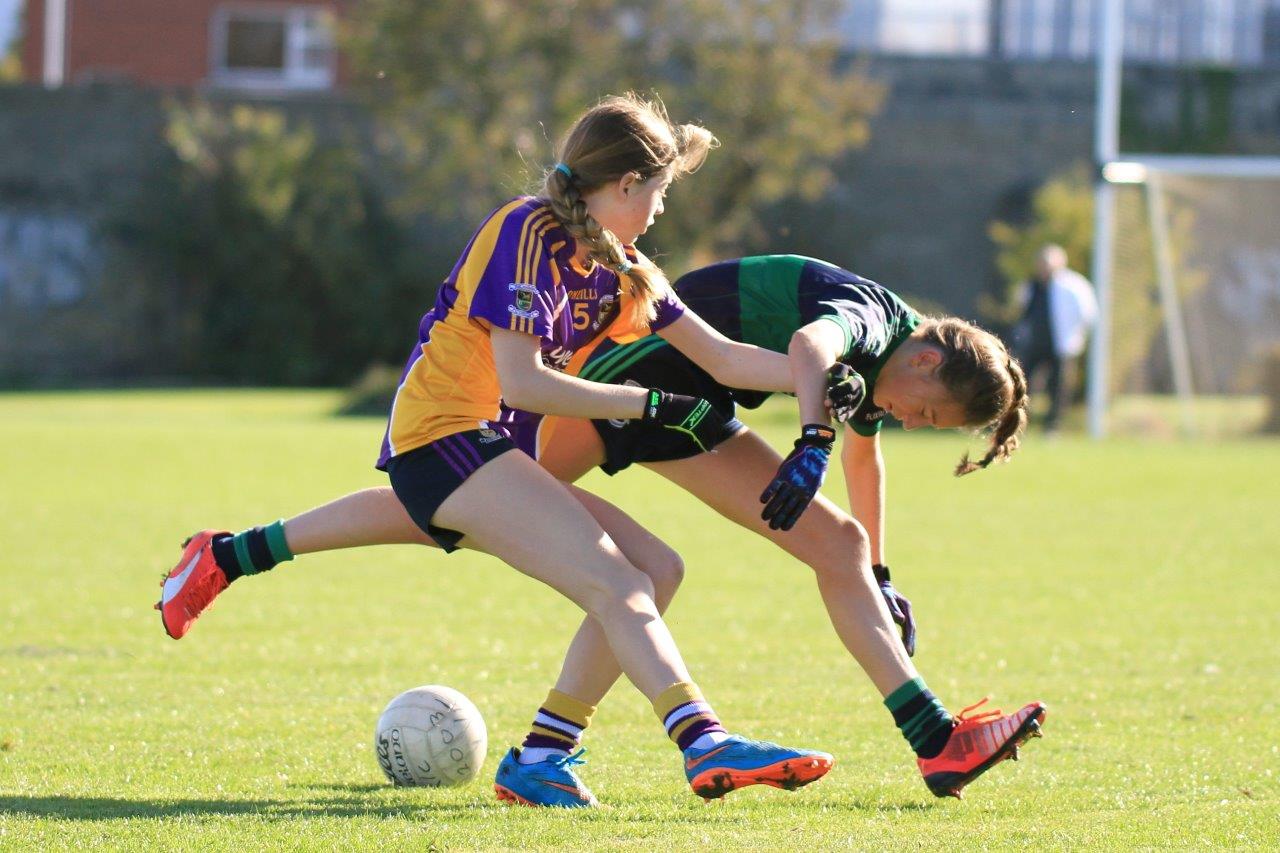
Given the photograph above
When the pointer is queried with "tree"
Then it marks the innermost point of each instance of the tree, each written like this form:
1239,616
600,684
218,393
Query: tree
11,55
473,91
285,267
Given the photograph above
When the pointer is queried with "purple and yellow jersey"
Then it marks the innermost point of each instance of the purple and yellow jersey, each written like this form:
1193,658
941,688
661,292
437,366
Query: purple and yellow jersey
518,272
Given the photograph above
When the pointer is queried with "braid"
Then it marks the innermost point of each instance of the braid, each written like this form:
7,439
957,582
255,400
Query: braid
646,279
986,380
1005,437
621,135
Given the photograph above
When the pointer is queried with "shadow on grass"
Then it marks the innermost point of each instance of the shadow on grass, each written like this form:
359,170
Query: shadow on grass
347,787
358,802
113,808
809,800
881,806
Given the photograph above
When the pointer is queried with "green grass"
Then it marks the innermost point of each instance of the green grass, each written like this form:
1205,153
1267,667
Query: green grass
1131,585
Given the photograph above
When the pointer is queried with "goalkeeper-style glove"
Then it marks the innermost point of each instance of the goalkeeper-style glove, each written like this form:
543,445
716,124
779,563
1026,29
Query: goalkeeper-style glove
692,416
846,391
899,608
799,477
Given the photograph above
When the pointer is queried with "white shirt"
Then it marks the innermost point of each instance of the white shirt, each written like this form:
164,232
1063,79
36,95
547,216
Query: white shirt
1073,310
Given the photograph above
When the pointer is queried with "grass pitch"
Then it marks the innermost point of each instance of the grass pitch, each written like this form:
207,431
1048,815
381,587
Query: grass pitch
1131,585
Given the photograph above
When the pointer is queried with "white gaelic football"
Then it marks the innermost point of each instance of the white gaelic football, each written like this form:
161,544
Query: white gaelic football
430,736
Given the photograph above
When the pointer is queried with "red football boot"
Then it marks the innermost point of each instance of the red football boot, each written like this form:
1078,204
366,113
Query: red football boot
977,744
192,585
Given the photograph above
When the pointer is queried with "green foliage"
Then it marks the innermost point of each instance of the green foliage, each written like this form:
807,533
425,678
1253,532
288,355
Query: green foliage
473,90
1202,124
1081,574
1062,213
11,55
10,68
288,267
372,393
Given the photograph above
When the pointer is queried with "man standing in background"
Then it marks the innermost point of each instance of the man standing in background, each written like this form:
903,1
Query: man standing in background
1058,311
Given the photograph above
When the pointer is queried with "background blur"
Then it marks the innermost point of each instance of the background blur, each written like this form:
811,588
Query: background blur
254,192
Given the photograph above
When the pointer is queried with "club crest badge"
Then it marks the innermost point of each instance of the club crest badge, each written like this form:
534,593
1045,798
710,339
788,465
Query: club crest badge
523,299
605,310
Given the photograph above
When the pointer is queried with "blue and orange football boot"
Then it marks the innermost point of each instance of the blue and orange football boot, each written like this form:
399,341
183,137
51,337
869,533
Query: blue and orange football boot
192,585
738,762
543,783
977,744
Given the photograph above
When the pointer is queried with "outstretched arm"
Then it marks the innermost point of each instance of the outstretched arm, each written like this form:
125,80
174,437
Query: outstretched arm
730,363
864,479
530,385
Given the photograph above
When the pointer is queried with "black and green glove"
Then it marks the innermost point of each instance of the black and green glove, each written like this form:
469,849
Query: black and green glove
693,416
846,391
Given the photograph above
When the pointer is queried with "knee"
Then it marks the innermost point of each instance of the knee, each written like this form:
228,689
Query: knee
666,571
847,552
619,589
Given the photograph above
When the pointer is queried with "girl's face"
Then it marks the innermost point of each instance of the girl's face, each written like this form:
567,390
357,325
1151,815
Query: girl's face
915,396
628,206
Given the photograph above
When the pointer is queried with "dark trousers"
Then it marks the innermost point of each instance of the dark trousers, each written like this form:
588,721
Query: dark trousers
1057,382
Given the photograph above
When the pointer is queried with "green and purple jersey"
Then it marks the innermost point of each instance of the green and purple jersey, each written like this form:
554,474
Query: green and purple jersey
764,300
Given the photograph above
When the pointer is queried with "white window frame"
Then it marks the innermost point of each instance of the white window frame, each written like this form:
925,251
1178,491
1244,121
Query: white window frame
305,27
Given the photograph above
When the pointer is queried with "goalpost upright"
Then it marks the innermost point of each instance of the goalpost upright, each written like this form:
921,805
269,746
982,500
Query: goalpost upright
1116,167
1106,147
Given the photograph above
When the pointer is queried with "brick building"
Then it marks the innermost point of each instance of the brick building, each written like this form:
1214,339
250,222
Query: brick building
269,46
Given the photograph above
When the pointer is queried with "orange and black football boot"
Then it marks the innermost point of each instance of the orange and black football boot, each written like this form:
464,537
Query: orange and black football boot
192,585
978,743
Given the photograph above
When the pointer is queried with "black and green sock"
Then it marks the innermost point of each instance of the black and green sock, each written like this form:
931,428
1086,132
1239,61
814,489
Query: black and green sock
924,722
249,552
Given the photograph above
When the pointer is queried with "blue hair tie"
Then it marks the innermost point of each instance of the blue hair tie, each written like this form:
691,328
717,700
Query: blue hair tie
625,267
565,170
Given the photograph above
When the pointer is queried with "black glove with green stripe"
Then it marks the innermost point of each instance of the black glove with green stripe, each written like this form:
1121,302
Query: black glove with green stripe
846,391
693,416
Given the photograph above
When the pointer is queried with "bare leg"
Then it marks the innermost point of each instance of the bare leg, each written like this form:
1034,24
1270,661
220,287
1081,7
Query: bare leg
376,516
368,517
554,539
826,539
589,669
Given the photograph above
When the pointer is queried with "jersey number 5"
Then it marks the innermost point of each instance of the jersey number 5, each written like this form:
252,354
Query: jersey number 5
581,316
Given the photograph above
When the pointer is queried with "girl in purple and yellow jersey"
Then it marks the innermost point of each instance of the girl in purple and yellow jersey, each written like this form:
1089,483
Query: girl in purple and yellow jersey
539,278
521,274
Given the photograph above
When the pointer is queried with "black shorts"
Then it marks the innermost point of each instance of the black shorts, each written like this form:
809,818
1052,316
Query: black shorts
425,476
653,363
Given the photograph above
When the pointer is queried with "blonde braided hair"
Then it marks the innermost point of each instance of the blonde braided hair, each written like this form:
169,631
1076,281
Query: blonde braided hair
621,135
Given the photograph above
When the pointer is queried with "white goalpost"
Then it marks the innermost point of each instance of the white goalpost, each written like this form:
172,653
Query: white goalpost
1152,173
